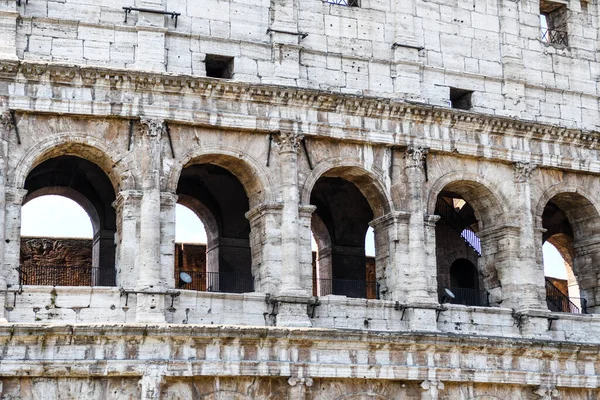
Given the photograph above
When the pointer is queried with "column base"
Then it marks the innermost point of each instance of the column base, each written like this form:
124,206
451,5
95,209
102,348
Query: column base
150,308
292,311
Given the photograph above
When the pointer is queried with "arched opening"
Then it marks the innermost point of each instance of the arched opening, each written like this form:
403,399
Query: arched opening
219,200
66,261
460,265
340,224
569,220
190,249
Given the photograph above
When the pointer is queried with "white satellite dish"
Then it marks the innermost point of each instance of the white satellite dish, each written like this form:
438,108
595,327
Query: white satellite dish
185,278
449,293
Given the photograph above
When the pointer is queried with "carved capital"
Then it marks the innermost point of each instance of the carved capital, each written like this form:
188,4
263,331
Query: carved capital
293,381
288,141
152,127
523,170
6,120
547,392
415,156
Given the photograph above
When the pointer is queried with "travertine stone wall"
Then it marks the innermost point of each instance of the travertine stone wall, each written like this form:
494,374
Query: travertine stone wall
391,48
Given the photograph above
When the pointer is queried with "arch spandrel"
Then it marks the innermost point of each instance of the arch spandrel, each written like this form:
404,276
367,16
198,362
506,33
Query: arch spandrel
252,175
79,145
362,396
580,207
489,205
369,183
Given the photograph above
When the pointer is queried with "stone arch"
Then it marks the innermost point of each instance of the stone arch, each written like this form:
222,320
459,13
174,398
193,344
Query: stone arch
577,239
70,194
369,183
489,205
79,145
86,183
252,175
348,197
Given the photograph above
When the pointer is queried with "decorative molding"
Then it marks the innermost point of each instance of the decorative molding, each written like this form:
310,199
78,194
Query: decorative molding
6,121
415,156
152,126
522,171
288,141
368,106
293,381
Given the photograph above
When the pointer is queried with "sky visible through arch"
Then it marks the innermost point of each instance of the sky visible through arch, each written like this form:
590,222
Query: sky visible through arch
56,216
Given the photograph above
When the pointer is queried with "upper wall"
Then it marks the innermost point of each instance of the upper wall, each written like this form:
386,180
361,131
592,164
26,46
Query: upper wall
405,49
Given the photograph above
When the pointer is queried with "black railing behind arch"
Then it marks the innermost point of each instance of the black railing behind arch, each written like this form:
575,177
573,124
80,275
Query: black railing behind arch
349,3
554,36
350,288
466,296
223,282
458,223
559,302
62,275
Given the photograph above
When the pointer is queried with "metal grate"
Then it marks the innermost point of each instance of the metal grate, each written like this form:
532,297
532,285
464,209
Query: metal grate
554,36
217,282
559,302
349,3
60,275
467,297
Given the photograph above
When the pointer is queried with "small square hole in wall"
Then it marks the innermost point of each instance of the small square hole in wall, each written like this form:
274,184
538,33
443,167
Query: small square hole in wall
219,66
460,98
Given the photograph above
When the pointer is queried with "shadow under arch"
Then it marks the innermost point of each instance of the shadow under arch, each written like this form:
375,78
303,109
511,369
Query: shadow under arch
347,198
467,203
79,145
369,184
571,222
489,205
87,184
251,174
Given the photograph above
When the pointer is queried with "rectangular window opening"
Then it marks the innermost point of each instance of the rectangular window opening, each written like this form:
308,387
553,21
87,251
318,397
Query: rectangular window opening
460,98
349,3
553,22
219,66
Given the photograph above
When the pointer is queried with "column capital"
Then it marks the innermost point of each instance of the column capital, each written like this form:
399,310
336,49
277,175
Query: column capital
126,195
390,218
263,209
152,127
288,141
168,198
15,195
415,156
6,120
522,171
306,210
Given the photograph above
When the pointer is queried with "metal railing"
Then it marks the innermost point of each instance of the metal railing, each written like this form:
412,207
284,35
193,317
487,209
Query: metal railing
453,218
466,296
350,288
554,36
349,3
559,302
61,275
224,282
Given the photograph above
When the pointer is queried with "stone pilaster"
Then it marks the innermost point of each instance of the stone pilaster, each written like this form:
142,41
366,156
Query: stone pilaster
8,30
150,280
151,50
265,242
391,255
288,143
524,286
127,206
431,389
168,201
406,68
298,387
151,383
285,40
587,255
423,279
